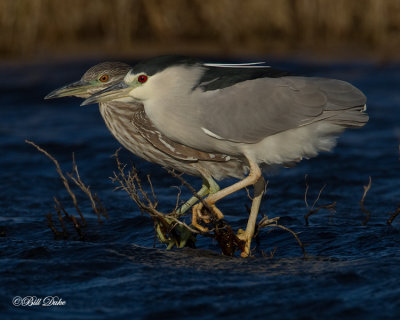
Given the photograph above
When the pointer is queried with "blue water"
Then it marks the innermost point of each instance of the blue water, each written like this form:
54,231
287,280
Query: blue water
351,271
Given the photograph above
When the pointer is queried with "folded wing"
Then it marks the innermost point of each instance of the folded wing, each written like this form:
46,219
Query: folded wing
251,110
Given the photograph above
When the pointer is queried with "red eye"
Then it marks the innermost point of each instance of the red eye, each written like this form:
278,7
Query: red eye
142,78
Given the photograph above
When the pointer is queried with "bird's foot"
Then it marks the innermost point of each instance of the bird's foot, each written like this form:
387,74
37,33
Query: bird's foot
244,236
197,214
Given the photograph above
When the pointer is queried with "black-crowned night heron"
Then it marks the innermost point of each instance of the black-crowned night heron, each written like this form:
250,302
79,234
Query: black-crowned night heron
248,114
129,124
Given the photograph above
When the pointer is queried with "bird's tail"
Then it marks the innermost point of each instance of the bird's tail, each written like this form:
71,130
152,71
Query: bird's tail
355,117
346,104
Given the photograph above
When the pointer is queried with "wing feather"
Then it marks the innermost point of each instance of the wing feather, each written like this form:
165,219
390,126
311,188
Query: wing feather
176,150
251,110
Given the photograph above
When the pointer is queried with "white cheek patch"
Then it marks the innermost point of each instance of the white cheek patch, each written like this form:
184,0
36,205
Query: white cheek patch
130,77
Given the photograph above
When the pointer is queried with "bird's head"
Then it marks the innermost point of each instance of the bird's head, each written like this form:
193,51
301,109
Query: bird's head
96,79
158,76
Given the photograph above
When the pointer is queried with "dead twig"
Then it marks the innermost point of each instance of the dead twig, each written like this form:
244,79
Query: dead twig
178,198
331,207
78,228
183,224
131,183
60,218
273,223
97,206
50,224
168,228
363,209
63,178
155,201
393,216
312,210
59,205
94,200
294,235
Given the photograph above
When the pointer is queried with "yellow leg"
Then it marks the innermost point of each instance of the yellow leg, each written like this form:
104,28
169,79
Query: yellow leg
209,186
248,234
202,192
251,179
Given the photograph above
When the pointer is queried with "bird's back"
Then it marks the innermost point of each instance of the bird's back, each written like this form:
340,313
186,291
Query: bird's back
230,114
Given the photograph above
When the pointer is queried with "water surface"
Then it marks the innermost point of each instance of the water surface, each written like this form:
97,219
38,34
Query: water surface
351,271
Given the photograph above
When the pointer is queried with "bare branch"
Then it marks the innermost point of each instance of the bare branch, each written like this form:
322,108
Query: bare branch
319,195
58,203
57,234
312,210
363,209
184,224
103,210
60,218
155,201
178,198
331,206
96,205
306,192
294,235
394,215
273,223
64,180
78,228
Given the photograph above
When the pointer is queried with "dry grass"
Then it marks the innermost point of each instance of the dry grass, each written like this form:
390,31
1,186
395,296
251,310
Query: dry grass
32,27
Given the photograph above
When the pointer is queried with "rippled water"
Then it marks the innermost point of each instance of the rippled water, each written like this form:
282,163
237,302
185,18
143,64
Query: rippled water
351,271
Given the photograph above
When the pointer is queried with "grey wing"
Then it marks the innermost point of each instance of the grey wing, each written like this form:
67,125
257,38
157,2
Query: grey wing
252,110
161,142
